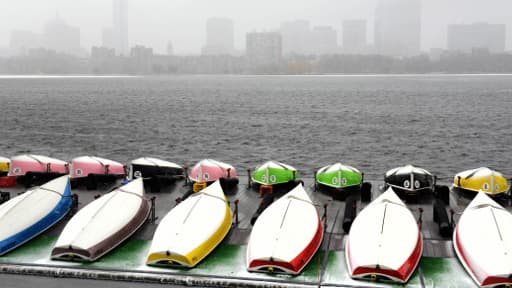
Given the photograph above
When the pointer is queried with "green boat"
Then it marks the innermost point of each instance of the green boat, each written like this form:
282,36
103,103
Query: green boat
339,177
273,173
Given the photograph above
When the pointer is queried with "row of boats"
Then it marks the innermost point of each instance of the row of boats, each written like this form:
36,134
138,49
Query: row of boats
185,235
337,178
384,241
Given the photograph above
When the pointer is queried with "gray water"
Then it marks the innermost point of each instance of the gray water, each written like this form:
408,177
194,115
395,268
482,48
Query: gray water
443,123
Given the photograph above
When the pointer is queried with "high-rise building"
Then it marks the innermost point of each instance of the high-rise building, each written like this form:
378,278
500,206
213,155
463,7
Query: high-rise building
264,48
398,28
324,40
354,36
59,36
296,37
22,41
107,38
466,38
220,37
120,26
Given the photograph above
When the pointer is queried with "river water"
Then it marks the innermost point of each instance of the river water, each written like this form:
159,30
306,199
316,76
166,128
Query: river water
443,123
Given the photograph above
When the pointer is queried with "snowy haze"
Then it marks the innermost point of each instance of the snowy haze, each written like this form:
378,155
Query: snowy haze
154,23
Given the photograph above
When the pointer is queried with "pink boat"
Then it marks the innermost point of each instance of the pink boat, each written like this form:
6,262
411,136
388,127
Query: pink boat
22,165
91,171
36,169
85,166
209,170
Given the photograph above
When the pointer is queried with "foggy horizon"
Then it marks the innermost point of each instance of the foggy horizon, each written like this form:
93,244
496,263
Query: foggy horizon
183,23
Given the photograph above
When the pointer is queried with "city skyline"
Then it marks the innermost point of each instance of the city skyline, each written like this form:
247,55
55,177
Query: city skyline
91,33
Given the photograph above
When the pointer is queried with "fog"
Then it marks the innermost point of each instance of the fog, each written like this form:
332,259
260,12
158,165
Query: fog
154,23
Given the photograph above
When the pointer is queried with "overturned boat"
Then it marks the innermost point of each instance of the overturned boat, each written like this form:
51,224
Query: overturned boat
91,170
29,214
409,180
384,242
286,235
103,224
489,181
208,171
192,229
339,179
156,172
483,242
274,173
29,168
148,167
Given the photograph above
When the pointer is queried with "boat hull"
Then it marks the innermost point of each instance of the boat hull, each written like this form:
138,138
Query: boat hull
191,230
409,180
274,173
482,241
29,214
470,182
35,164
209,170
83,167
384,241
285,236
103,224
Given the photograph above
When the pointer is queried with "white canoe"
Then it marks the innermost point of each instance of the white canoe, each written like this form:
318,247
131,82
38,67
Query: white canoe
384,241
27,215
192,229
483,242
286,235
103,224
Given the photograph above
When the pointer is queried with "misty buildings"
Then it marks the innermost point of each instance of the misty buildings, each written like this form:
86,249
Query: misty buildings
324,40
296,38
60,37
354,36
299,39
220,37
23,41
120,26
264,49
466,38
398,28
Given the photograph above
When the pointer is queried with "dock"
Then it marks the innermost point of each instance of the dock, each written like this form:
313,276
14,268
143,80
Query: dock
225,266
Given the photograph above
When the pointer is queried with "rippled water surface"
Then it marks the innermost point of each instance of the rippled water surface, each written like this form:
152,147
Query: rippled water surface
445,124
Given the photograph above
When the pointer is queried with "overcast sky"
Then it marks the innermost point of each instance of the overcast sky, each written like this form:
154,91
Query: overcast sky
155,22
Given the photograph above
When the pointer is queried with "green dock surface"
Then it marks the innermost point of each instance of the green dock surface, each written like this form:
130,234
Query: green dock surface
227,262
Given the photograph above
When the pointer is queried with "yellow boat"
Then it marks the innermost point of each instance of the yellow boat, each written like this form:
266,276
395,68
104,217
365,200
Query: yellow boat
192,229
482,179
4,166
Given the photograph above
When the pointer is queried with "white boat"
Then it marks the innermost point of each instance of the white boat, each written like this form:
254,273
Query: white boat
384,241
483,242
29,214
192,229
286,235
103,224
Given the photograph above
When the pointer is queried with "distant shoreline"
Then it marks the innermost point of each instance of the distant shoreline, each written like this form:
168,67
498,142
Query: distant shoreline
93,76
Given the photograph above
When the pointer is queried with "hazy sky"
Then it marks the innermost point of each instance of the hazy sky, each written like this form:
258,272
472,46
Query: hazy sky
155,22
